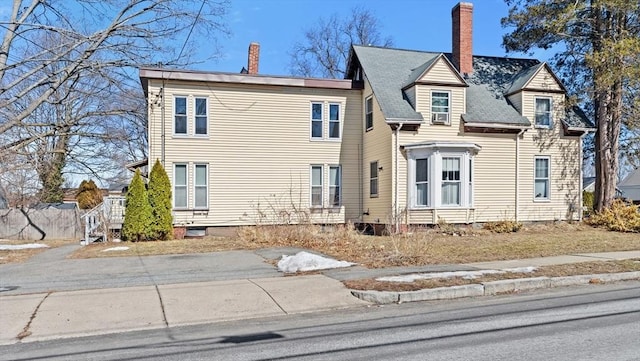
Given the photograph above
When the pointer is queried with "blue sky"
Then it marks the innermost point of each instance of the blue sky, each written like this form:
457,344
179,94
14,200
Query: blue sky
412,24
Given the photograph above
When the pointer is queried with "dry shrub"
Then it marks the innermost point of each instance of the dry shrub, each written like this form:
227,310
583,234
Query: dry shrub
504,226
306,235
620,217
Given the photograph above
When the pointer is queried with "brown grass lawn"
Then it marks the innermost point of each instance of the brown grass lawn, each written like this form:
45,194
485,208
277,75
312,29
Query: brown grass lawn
584,268
21,255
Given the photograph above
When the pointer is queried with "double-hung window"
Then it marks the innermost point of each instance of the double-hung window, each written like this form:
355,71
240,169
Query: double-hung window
450,181
422,182
543,112
180,115
201,194
335,180
368,110
317,196
316,120
440,107
542,181
373,179
326,180
180,186
334,121
201,116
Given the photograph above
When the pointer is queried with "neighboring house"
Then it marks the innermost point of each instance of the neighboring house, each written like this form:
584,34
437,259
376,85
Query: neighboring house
630,186
589,185
410,137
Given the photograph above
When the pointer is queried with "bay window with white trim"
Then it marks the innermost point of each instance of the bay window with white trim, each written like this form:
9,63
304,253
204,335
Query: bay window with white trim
440,177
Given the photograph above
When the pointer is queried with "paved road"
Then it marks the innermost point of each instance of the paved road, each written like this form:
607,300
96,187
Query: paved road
587,323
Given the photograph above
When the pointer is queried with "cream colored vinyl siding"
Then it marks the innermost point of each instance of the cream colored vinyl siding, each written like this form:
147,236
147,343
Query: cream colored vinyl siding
516,101
377,146
410,93
258,149
565,156
440,72
543,80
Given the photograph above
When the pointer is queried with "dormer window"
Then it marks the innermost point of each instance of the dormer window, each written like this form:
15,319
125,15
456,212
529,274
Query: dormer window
440,109
543,112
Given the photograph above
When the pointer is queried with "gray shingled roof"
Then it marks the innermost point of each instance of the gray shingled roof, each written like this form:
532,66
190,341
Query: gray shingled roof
522,78
390,70
577,119
483,106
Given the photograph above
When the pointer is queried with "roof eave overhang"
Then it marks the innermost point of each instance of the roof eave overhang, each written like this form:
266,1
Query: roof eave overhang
442,145
478,127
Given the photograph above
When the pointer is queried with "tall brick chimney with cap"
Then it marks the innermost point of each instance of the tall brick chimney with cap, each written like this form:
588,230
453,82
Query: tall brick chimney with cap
254,58
462,37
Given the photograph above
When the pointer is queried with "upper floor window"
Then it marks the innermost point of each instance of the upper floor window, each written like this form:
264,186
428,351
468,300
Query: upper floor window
440,109
334,121
316,120
373,179
201,116
368,111
542,180
543,112
180,115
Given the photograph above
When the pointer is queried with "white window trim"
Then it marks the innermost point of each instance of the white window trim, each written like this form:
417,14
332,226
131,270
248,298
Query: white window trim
434,198
186,115
548,198
195,116
186,185
339,121
195,186
432,113
311,120
535,122
366,128
311,185
330,204
462,188
376,178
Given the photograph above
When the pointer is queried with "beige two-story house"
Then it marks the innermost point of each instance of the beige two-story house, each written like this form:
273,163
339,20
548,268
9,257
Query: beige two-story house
409,138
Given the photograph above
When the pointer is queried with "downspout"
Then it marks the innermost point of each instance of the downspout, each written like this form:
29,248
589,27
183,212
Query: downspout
580,200
517,200
396,176
162,114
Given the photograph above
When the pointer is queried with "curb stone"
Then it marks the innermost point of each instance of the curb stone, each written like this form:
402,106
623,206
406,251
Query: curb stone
490,288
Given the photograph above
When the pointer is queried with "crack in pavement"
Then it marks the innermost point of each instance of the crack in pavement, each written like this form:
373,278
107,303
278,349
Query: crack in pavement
25,331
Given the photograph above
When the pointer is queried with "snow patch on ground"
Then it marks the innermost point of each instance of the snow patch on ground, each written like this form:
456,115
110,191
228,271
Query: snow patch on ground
121,248
305,261
468,275
13,247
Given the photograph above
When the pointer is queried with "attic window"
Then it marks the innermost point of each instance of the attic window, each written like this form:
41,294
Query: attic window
440,107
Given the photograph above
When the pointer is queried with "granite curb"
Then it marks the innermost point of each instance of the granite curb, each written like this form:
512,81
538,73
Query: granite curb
490,288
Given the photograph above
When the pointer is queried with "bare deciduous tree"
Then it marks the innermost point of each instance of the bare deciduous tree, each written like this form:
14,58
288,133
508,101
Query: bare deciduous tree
70,100
326,45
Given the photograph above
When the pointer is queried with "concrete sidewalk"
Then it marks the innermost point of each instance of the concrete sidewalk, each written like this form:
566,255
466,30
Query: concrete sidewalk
42,316
100,296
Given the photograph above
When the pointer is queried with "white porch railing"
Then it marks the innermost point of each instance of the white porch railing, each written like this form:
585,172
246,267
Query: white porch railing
105,217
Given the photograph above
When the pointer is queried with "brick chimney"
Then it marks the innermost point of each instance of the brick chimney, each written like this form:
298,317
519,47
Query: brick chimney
254,58
462,37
